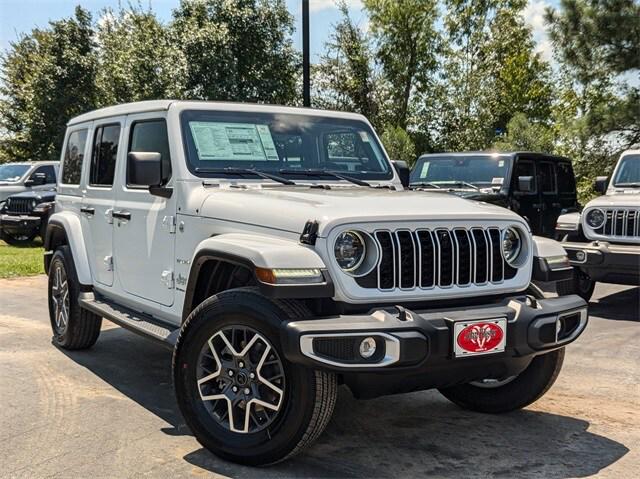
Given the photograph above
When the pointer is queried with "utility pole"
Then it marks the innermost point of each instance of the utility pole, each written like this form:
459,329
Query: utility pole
306,66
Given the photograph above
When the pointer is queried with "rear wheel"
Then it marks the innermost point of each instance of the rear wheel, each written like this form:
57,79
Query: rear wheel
511,393
237,392
73,327
580,284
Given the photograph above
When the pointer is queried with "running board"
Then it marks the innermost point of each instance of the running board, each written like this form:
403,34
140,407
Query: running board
139,323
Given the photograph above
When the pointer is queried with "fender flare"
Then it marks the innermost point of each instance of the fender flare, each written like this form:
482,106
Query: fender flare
72,231
550,261
259,251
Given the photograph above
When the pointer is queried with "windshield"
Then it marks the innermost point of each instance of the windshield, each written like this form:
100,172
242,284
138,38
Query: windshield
281,144
12,173
479,171
628,173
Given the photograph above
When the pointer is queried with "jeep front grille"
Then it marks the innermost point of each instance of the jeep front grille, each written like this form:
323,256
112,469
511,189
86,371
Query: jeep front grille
19,206
437,258
621,223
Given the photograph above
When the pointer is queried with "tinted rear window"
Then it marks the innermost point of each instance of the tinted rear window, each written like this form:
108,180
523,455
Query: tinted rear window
566,178
73,157
105,152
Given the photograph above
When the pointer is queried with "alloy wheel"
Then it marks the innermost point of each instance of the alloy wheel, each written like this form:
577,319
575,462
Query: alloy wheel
60,298
241,379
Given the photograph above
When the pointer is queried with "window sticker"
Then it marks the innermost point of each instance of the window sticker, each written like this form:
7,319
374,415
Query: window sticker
233,141
497,181
500,163
425,169
364,136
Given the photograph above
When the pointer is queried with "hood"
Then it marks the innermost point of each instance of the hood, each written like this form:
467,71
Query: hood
9,190
289,208
610,200
41,195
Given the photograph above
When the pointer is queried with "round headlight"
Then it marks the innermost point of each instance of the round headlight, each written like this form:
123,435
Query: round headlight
511,245
595,218
349,250
34,203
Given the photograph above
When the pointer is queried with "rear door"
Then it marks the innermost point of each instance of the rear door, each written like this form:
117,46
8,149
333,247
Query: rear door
550,203
98,201
144,227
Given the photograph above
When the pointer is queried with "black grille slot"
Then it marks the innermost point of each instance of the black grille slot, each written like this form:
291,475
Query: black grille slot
447,257
497,263
482,255
427,259
464,256
386,269
406,259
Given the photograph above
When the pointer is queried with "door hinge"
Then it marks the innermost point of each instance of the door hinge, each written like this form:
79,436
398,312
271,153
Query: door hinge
167,279
169,222
108,263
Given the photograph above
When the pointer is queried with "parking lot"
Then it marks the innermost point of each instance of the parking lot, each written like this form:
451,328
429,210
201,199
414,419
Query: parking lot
110,411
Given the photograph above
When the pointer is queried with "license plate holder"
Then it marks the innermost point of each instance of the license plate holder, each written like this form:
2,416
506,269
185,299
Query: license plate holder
479,337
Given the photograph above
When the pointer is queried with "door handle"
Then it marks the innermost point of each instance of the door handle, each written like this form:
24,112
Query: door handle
121,215
88,210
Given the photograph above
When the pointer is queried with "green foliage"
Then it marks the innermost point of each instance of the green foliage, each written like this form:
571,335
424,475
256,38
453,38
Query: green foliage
524,135
398,144
138,59
20,260
237,50
47,78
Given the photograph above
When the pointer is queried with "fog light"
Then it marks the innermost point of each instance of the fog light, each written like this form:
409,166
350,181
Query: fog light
367,347
580,256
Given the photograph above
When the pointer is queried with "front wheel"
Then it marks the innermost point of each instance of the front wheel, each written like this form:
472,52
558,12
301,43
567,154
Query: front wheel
508,394
237,392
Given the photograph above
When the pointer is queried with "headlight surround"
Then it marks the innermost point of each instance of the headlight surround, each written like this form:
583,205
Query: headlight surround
511,245
349,250
595,218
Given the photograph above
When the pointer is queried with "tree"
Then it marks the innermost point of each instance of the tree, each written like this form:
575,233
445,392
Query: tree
522,134
237,50
138,59
398,144
48,77
406,49
345,78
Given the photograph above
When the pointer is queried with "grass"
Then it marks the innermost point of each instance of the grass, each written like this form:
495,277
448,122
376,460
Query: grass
21,260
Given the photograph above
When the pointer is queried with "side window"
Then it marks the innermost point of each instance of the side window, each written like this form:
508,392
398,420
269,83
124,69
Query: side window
566,178
73,156
151,136
525,168
103,158
547,177
49,173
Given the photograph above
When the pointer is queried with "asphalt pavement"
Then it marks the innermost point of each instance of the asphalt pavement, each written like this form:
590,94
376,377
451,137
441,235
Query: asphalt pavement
110,411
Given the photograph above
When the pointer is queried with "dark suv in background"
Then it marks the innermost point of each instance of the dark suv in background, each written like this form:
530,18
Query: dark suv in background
538,187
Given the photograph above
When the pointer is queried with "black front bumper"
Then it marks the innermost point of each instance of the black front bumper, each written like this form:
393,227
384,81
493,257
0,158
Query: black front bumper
606,262
416,348
20,224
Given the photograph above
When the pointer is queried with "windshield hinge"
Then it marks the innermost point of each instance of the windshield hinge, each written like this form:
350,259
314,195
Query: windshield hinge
309,233
169,222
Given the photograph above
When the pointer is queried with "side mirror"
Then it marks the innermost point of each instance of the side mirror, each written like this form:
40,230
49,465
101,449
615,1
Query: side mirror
37,179
525,184
600,184
403,172
145,168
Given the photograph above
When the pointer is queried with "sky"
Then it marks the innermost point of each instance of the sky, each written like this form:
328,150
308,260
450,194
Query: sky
20,16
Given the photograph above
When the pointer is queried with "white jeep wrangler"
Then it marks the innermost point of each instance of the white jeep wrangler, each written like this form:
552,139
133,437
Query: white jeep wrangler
277,253
603,243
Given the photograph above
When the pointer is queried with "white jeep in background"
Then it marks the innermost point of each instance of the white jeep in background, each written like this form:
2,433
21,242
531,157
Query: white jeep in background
603,242
277,253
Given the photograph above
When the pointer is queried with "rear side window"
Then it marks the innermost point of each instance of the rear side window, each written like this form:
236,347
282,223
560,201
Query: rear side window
525,168
105,152
566,178
547,178
73,156
151,136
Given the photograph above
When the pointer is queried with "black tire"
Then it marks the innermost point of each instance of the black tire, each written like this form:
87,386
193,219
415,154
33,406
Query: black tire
307,401
579,284
81,328
516,393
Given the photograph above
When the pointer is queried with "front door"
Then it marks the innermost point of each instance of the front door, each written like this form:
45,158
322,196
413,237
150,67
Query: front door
527,203
144,224
98,198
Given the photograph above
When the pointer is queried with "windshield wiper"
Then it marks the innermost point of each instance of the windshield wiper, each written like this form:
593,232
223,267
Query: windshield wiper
425,183
340,176
459,182
246,171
